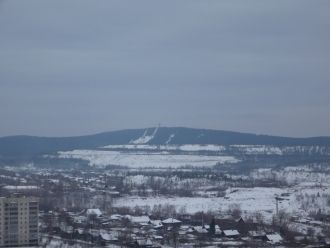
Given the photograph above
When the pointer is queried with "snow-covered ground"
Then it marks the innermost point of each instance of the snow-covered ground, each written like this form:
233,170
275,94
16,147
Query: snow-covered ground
277,150
250,200
186,148
214,148
258,149
25,187
132,147
142,143
145,160
300,175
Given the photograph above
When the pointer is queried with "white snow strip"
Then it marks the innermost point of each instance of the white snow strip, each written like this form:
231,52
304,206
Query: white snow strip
144,139
186,148
196,148
170,139
145,160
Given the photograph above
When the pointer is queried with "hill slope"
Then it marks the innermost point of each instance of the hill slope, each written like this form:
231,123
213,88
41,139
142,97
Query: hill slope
28,146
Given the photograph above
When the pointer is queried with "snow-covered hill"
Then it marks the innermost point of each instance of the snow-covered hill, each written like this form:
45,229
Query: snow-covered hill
172,138
188,155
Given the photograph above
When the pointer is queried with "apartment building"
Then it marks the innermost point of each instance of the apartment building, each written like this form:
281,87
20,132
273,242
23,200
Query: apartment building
19,221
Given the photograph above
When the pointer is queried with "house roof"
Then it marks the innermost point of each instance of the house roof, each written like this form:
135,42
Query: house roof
171,221
226,223
116,217
158,237
160,225
140,219
108,236
231,232
156,222
144,242
79,219
200,229
217,229
274,238
256,233
94,211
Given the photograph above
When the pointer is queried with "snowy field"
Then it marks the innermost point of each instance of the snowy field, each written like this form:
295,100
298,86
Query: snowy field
186,148
244,149
250,200
276,150
258,149
101,158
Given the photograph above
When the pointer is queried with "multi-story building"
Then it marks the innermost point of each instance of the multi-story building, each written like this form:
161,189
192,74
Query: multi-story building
19,221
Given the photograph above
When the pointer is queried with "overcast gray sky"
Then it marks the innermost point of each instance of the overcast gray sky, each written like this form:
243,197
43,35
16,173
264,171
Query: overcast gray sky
82,67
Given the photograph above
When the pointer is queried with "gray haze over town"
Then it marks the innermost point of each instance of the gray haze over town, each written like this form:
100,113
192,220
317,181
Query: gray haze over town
163,124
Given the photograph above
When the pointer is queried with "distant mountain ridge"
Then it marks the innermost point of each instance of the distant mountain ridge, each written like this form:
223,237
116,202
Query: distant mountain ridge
27,146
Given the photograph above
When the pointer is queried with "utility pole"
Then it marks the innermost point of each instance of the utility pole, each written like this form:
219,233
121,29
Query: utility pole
203,219
277,200
203,215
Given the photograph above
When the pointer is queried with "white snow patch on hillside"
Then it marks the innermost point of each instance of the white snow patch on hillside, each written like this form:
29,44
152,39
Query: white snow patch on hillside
170,139
186,147
276,150
140,143
131,147
258,149
145,160
196,148
144,139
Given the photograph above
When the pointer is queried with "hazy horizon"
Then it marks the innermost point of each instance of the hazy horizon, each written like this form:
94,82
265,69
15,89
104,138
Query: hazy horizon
70,68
